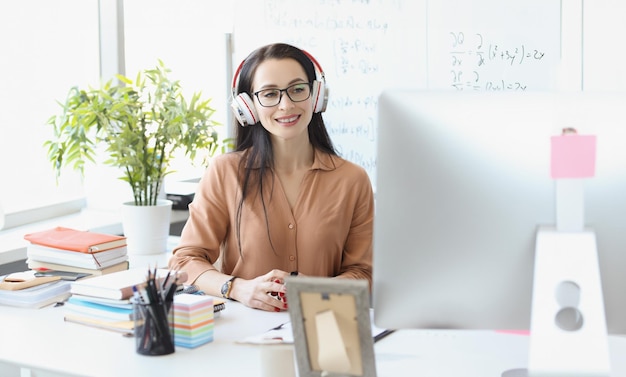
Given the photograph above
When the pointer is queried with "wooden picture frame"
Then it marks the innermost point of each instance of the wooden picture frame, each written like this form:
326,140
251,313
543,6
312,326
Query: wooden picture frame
331,326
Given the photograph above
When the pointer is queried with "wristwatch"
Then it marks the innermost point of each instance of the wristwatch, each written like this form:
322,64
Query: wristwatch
227,287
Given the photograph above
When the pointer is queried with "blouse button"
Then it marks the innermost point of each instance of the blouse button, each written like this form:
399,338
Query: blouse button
292,258
291,226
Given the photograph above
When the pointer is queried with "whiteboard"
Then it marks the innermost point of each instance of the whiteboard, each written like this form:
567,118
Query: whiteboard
366,46
603,40
493,45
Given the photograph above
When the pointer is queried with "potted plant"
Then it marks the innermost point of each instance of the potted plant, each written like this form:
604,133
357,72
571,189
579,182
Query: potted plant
141,124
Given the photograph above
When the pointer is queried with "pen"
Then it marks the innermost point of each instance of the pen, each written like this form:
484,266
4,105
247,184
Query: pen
169,295
164,284
382,335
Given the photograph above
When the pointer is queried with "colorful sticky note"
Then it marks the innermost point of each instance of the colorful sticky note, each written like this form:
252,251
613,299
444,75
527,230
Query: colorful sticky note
573,156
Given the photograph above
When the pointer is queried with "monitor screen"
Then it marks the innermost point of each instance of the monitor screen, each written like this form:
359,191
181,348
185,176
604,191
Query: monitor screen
463,183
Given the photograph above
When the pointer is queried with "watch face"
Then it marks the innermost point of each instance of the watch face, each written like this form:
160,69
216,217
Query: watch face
225,291
226,287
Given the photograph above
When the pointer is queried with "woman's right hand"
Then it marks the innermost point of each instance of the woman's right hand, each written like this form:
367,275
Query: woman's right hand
266,292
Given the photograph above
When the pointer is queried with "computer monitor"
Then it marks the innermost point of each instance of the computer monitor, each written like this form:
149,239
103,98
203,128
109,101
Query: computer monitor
463,183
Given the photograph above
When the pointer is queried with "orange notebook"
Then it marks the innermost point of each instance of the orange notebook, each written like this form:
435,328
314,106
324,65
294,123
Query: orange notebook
75,240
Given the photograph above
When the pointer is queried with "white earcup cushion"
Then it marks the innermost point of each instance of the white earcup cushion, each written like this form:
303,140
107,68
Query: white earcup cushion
243,107
319,95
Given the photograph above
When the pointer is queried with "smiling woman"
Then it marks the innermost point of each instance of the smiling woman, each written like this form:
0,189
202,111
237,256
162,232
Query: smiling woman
284,200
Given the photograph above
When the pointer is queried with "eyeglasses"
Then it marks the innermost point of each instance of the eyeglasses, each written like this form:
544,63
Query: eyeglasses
296,93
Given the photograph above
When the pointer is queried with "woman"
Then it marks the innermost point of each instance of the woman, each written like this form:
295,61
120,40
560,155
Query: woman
283,202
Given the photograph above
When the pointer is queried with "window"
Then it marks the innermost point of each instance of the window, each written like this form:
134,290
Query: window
47,46
189,37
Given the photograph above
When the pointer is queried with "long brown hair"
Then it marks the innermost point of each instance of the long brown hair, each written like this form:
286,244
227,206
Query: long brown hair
255,140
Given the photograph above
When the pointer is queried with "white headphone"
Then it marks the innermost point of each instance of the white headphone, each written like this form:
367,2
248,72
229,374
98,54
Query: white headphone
243,105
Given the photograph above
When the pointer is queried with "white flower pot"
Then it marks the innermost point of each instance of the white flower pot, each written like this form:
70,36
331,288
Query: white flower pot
146,228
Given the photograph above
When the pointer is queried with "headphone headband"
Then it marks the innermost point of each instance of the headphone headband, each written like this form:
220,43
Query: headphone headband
243,105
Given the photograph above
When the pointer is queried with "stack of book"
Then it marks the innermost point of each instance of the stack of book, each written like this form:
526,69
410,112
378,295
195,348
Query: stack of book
25,290
110,314
105,301
71,250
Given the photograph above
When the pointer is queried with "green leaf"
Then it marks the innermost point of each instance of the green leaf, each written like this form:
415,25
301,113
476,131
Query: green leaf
141,124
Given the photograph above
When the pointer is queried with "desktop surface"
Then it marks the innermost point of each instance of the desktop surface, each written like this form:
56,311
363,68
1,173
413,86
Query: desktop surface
39,340
42,341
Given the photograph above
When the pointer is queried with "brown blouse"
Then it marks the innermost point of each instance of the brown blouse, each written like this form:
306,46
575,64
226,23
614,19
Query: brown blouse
328,233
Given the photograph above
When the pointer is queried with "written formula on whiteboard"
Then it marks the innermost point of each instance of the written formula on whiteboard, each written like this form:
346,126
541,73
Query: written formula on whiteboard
471,55
493,45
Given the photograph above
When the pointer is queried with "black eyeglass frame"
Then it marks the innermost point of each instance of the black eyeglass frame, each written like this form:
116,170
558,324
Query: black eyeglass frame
286,91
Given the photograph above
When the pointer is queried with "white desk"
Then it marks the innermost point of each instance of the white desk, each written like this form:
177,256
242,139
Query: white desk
41,341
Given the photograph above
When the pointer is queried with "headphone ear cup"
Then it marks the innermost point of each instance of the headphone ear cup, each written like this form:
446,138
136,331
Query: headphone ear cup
319,94
243,107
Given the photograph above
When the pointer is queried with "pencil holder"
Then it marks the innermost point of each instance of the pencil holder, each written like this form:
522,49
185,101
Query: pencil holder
154,333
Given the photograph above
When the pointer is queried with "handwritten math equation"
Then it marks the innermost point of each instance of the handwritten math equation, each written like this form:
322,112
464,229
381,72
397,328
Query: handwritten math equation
479,65
355,56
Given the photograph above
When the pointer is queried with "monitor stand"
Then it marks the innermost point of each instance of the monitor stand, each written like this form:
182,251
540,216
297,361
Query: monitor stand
568,335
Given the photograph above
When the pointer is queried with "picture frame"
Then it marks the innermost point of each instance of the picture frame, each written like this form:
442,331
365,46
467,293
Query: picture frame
331,326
